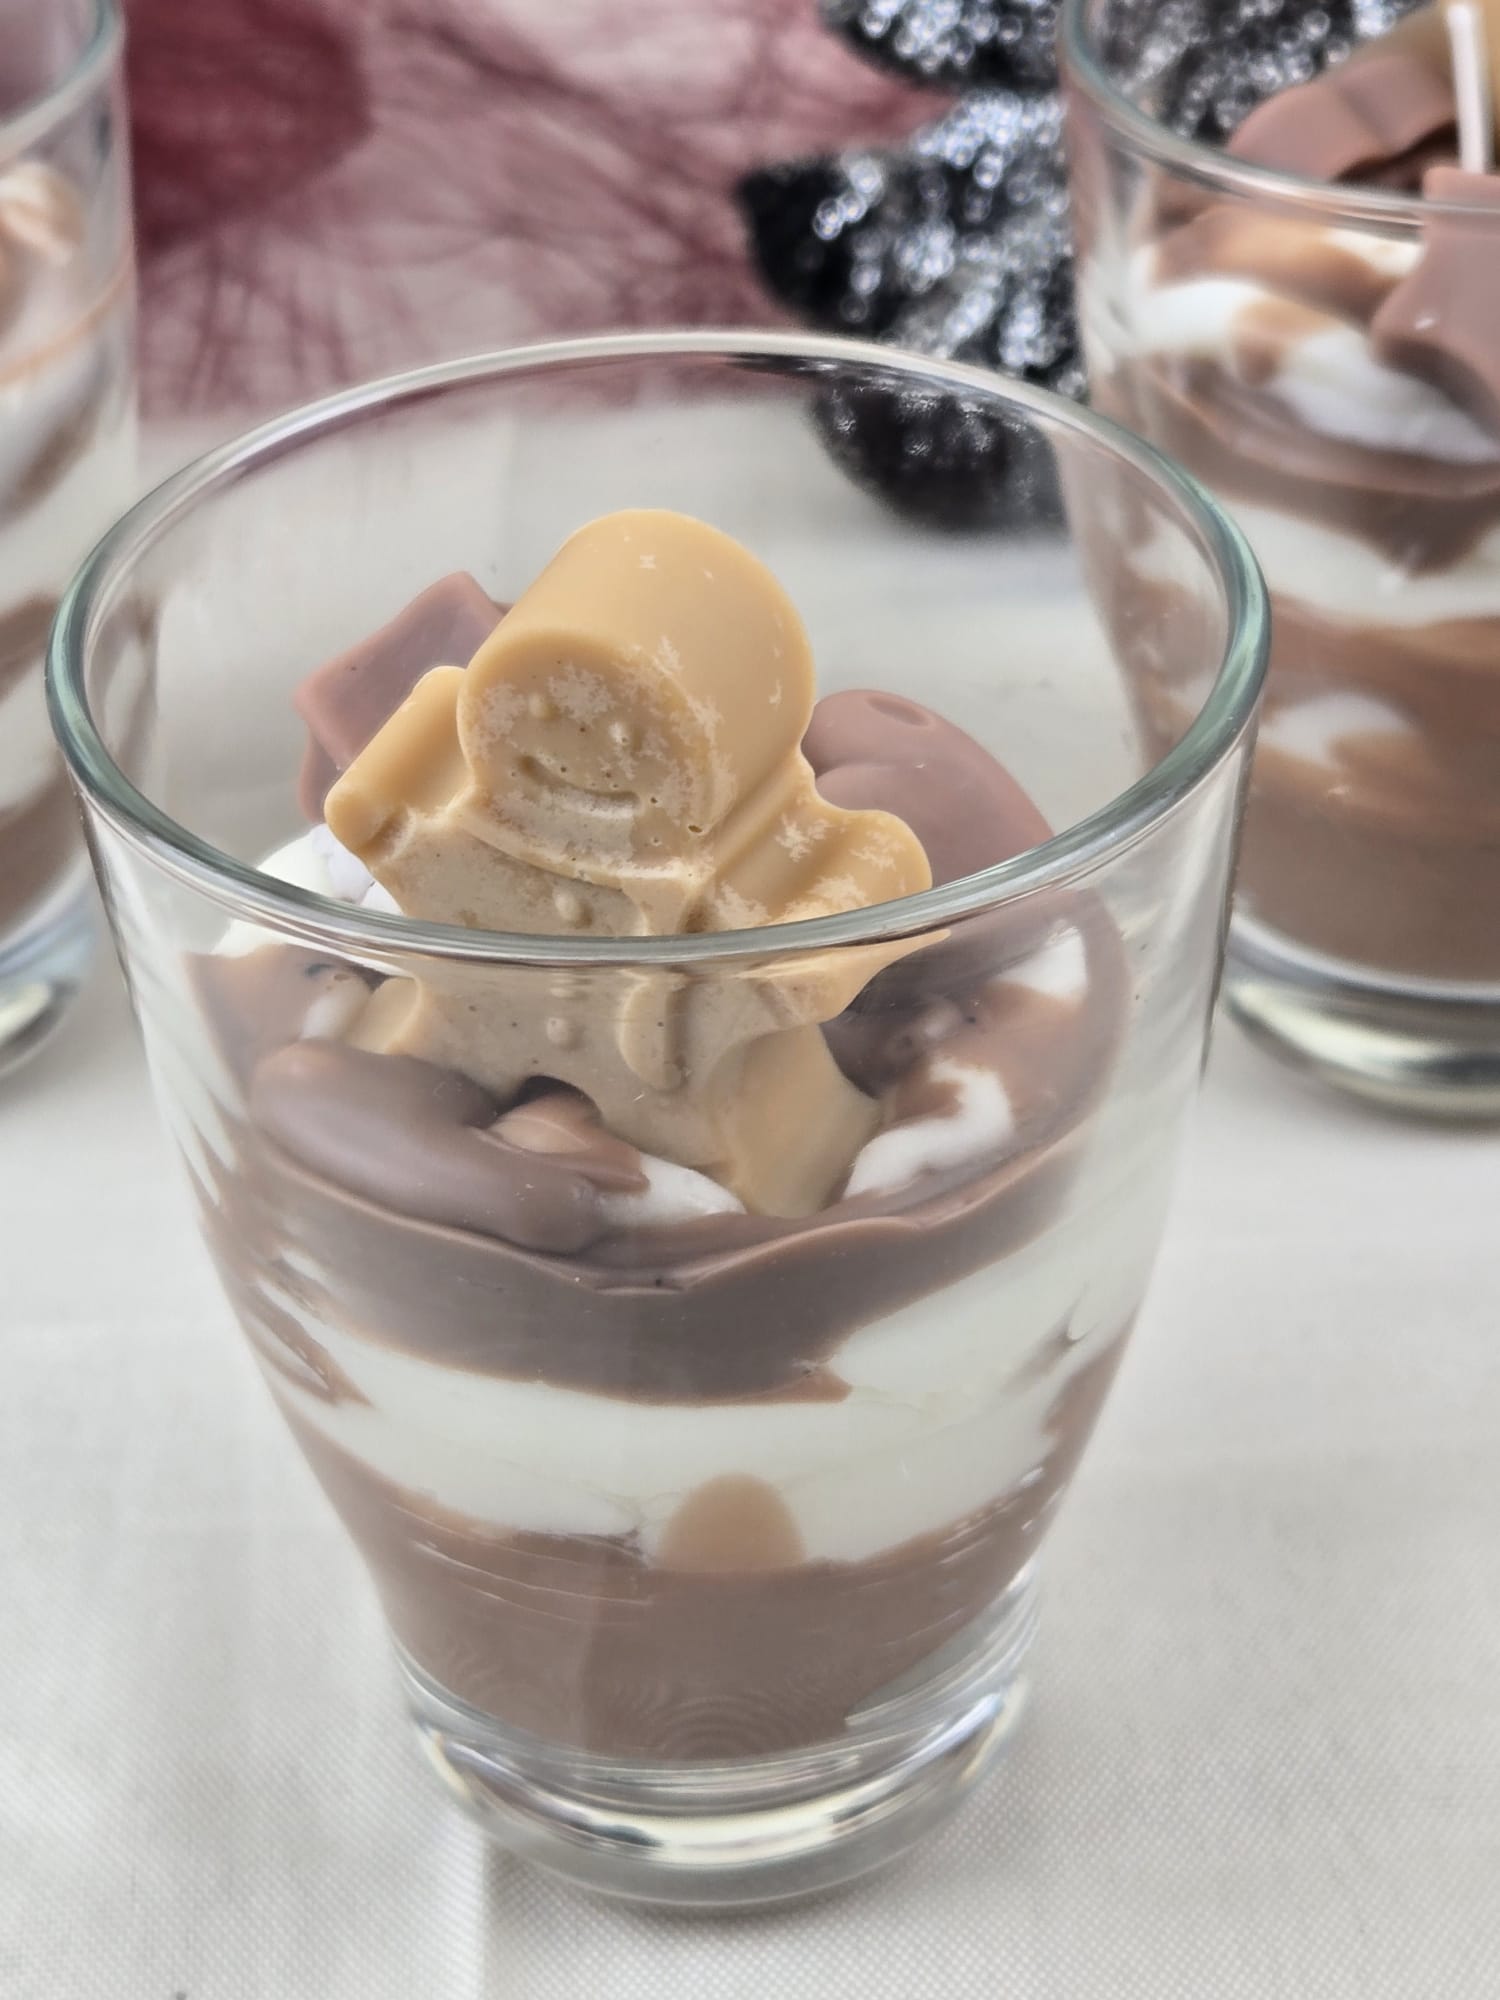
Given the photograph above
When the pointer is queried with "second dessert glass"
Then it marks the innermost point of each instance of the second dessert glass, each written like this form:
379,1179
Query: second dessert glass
67,453
1227,316
709,1550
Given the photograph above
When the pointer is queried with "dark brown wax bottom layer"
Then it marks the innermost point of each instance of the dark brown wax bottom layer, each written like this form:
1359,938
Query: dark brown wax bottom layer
39,836
1389,857
580,1641
1387,853
23,639
38,839
1376,898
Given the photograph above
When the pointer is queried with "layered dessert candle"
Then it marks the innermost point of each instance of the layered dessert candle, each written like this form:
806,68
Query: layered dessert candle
677,1015
66,456
1305,316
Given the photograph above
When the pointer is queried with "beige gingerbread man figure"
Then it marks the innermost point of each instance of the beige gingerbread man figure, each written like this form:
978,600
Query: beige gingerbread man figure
622,757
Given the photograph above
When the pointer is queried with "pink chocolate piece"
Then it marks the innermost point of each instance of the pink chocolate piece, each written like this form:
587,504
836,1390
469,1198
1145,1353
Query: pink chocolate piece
1442,323
1349,120
869,749
345,701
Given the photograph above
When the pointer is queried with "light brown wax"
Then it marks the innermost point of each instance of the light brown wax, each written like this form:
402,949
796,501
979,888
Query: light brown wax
622,756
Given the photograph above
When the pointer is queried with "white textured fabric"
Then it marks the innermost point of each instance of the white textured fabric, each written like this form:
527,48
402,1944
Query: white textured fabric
1262,1763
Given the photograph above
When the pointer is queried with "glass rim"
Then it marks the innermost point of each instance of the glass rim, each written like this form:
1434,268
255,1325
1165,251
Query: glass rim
1211,166
243,890
32,120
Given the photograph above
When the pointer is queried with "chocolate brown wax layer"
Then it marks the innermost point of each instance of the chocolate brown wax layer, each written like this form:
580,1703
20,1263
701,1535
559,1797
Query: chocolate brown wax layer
1390,856
1417,515
731,1650
1371,894
39,833
428,1235
23,639
37,841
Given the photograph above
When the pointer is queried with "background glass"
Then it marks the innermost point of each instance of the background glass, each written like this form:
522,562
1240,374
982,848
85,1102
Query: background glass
67,451
1366,936
731,1602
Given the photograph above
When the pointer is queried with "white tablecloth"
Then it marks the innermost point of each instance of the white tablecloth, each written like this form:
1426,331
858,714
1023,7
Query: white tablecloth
1263,1757
1262,1761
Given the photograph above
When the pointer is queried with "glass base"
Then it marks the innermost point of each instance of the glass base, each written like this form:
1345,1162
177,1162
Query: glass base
42,967
1429,1048
757,1830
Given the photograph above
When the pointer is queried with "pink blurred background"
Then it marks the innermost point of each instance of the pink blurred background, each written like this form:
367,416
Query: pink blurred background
331,188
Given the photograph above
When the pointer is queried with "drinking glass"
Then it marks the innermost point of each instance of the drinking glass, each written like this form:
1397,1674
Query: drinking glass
1227,317
66,453
708,1547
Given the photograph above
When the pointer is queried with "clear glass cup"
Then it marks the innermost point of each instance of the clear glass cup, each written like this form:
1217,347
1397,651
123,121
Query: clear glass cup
1225,312
707,1546
67,453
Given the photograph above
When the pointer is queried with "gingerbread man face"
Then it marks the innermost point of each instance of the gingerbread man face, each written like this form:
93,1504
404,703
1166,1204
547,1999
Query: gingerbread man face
632,725
623,756
652,682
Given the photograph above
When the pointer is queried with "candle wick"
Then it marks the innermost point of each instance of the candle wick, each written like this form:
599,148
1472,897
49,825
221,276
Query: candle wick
1471,87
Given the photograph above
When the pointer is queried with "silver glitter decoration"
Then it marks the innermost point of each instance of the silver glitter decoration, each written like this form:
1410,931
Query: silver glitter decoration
959,245
956,245
958,44
1202,66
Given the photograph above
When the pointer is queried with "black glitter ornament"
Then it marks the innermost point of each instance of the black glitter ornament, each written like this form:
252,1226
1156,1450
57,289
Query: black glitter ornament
1202,66
954,44
958,247
1006,304
938,458
935,459
837,240
848,243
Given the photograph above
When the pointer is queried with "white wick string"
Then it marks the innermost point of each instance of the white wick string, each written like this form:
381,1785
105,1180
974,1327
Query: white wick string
1471,87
